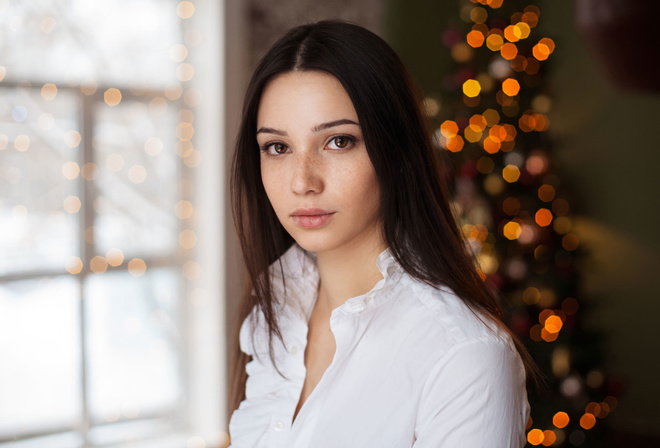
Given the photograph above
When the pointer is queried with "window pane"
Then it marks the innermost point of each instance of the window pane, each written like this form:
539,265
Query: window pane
39,342
138,178
111,41
133,341
64,440
39,200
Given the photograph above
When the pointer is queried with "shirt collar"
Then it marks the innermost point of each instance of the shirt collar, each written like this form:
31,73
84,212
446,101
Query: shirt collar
296,282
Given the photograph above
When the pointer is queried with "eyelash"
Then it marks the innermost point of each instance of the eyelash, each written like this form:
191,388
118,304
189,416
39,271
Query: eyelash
350,141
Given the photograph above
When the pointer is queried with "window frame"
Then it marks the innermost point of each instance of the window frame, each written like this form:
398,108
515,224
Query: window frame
202,319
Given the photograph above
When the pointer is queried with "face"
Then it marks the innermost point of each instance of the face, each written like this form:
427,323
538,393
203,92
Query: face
314,164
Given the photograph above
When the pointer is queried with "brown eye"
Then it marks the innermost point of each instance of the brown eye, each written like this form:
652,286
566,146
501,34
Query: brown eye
275,148
341,142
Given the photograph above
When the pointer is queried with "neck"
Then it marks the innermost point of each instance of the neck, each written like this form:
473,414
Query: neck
348,272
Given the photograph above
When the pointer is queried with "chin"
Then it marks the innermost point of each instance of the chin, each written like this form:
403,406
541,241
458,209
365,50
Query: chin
314,240
314,244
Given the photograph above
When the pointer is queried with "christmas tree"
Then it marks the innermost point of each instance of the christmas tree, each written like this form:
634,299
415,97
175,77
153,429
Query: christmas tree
493,128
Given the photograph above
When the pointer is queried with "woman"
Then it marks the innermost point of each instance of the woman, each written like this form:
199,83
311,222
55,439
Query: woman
366,323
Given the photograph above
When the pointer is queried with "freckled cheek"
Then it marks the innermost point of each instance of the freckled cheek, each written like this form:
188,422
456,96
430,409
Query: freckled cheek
273,182
358,186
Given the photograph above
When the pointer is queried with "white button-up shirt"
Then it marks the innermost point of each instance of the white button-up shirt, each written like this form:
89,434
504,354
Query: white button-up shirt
414,367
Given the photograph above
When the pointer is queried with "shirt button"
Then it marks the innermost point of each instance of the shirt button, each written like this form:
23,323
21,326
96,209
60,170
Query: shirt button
293,350
279,426
358,307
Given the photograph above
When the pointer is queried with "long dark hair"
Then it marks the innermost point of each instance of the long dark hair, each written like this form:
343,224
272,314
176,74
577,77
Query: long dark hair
419,227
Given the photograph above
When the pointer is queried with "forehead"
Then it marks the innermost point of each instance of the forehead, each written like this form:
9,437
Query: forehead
304,97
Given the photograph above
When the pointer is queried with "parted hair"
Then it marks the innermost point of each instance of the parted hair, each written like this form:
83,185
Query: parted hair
418,224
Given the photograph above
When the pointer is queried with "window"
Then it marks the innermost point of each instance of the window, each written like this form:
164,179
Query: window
104,301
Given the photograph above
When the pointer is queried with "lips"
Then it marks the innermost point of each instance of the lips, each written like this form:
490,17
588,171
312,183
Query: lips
311,217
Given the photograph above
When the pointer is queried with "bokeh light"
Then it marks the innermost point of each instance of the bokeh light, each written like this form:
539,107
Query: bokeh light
98,264
509,51
587,421
49,91
137,267
511,87
22,143
70,170
185,9
535,437
475,38
74,265
512,230
494,42
471,88
114,257
511,173
112,97
543,217
449,129
560,419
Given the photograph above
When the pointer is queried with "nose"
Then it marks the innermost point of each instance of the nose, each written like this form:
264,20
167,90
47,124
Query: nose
307,173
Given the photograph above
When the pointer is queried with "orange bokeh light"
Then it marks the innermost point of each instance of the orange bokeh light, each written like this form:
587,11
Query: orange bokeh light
512,34
587,421
475,38
491,145
541,51
527,123
455,144
512,230
509,51
449,128
548,43
511,87
510,132
549,437
497,132
478,122
560,420
511,173
547,336
543,315
535,437
543,217
553,324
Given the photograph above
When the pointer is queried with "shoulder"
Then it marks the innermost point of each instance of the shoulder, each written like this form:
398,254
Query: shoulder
475,384
443,322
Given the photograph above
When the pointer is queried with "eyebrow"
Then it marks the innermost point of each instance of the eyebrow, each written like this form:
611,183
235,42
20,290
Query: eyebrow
317,128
